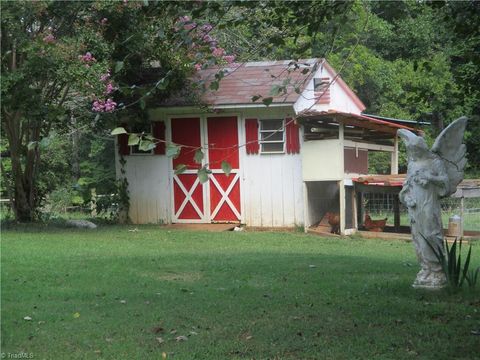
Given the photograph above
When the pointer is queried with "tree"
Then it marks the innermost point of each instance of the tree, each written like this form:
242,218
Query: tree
78,60
42,78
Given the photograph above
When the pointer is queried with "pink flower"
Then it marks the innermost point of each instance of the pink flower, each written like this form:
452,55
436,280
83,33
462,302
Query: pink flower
190,26
110,105
110,88
217,52
229,58
104,106
208,39
198,67
184,19
98,106
87,58
206,28
49,39
105,76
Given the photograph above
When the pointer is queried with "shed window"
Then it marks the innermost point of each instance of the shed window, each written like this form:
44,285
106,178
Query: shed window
272,136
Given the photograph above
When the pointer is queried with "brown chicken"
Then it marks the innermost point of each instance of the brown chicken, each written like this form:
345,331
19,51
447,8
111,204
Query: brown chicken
334,221
374,225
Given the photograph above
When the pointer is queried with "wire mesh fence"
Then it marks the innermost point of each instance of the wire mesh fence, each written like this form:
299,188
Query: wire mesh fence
381,206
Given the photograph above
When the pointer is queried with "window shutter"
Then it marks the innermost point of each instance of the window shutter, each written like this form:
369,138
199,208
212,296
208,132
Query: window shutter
322,90
122,140
251,134
292,133
158,132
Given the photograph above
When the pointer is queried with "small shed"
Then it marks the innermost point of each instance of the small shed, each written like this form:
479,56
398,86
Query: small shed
292,161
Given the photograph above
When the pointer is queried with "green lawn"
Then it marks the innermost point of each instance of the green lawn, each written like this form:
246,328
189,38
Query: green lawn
110,293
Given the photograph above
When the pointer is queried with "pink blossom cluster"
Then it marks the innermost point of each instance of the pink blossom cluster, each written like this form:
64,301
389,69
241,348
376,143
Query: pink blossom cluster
87,58
201,36
229,58
105,76
110,88
49,39
218,52
104,106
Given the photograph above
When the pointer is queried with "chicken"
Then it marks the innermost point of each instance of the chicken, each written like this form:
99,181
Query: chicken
374,225
334,221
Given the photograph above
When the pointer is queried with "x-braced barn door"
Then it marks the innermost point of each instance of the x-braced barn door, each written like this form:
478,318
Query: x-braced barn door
224,190
218,200
188,192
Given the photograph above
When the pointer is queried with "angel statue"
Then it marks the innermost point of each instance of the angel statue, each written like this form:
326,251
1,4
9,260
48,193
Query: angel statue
431,175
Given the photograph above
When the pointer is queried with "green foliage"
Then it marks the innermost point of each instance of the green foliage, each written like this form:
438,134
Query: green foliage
226,167
472,277
198,156
203,173
455,272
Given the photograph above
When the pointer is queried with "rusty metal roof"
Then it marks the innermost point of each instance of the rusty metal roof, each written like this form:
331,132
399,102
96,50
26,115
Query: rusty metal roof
243,81
356,120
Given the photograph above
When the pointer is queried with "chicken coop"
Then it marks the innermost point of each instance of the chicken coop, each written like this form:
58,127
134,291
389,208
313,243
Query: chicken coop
378,197
335,155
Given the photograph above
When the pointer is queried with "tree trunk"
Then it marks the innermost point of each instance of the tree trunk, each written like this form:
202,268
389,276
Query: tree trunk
23,177
75,150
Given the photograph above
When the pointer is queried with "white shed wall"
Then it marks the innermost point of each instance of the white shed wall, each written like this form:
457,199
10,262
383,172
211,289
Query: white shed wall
149,188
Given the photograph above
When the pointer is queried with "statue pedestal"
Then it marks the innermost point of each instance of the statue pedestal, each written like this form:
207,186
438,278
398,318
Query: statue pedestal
430,280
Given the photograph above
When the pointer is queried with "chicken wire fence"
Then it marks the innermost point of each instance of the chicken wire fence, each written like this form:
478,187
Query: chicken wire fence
382,205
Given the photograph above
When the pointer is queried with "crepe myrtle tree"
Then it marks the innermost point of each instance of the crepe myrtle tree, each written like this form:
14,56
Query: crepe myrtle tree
84,60
47,63
76,59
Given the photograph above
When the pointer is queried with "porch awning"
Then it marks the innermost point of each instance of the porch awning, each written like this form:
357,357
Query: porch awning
357,120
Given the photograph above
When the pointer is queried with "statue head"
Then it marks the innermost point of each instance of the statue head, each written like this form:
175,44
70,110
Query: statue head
416,146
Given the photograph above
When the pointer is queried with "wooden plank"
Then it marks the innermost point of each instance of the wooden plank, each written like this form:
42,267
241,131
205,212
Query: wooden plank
396,213
277,184
288,193
341,186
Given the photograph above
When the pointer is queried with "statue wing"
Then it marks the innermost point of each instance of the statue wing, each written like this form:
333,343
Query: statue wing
450,148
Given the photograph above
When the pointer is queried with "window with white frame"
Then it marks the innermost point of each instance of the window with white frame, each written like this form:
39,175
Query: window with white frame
272,136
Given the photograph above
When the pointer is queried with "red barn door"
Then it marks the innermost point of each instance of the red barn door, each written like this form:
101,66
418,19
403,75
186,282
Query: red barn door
224,190
188,192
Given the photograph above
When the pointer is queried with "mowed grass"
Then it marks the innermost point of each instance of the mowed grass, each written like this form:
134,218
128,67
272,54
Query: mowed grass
111,293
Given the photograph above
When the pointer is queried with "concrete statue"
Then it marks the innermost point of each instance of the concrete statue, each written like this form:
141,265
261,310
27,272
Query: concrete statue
431,175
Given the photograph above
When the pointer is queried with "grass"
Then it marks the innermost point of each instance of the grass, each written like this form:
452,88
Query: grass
110,293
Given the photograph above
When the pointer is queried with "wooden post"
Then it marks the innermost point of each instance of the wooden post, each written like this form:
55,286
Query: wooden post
462,207
305,207
354,209
361,209
341,185
394,157
396,213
